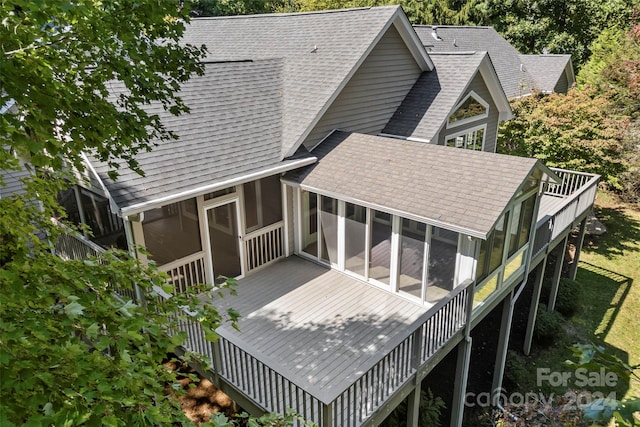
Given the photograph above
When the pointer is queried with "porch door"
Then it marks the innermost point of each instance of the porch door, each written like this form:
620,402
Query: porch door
223,225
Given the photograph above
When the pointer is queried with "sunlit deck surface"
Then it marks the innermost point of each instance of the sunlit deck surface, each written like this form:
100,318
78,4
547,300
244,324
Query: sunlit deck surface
550,205
318,327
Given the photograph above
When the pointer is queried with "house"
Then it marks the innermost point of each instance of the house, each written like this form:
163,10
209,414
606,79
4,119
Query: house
519,74
348,178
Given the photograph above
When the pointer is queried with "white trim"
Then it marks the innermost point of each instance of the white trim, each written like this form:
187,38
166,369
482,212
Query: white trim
405,138
479,99
467,132
396,252
156,203
488,73
389,210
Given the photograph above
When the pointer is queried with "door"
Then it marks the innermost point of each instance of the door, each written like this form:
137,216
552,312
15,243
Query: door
225,247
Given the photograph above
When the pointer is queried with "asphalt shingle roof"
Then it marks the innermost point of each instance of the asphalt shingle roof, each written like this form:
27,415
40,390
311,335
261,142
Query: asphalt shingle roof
430,101
319,49
546,69
515,79
458,189
234,127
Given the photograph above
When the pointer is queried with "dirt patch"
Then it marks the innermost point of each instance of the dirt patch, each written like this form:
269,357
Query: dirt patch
201,397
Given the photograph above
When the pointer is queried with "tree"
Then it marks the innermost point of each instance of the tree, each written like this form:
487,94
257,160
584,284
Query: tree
574,131
71,351
234,7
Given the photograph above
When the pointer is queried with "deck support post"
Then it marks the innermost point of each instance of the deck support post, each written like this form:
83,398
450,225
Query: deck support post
217,360
555,281
413,406
533,308
327,411
503,346
460,386
573,269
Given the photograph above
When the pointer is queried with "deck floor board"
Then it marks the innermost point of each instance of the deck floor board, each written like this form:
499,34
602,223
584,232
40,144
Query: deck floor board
318,325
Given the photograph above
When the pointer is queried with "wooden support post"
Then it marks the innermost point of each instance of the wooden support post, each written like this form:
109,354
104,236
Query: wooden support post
217,360
460,386
413,405
327,412
533,308
555,281
573,270
503,345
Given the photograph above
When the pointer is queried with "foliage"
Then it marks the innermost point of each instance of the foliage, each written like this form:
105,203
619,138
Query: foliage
71,351
268,420
548,325
557,26
234,7
569,296
593,358
574,131
430,411
516,370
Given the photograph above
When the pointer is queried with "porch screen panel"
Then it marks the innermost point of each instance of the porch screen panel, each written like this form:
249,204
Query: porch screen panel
442,263
329,229
309,238
380,247
355,238
412,257
172,232
262,202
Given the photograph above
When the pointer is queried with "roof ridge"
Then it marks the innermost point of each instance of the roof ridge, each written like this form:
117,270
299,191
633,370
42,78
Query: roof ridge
277,15
452,26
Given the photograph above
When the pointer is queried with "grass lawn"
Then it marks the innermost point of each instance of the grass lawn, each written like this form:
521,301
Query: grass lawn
609,312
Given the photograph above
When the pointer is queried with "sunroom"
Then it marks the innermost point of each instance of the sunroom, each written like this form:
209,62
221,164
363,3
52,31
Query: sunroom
415,219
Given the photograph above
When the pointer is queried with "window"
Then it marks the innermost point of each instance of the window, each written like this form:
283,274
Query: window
309,223
492,249
412,247
471,108
520,227
355,238
472,139
329,229
172,232
380,248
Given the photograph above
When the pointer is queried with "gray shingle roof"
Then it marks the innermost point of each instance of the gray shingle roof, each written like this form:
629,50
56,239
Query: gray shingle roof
234,128
463,190
515,80
546,69
427,106
319,49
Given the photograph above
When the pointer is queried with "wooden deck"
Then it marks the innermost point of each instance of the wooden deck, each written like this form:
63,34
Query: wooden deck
320,328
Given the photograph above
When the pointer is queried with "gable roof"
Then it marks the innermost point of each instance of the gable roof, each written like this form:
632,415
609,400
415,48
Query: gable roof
430,102
547,69
448,187
320,52
516,79
234,129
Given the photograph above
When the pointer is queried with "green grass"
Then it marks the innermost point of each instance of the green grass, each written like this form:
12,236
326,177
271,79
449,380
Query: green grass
609,313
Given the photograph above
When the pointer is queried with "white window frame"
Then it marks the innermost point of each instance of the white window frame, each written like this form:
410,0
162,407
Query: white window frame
461,122
466,132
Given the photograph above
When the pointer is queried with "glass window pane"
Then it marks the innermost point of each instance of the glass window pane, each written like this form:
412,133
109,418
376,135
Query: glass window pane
442,263
470,108
412,257
329,229
309,223
380,248
172,232
355,238
498,243
520,230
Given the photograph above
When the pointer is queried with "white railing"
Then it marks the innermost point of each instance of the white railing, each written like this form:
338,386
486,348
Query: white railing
187,271
360,398
264,246
578,189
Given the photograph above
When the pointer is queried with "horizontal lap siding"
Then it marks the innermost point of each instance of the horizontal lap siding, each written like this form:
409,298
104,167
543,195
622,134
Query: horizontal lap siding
563,84
478,86
376,90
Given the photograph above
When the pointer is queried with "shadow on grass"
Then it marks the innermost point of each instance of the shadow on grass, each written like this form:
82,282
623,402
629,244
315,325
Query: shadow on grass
623,233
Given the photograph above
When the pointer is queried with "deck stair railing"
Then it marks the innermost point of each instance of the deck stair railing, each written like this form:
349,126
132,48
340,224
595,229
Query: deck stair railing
357,399
578,191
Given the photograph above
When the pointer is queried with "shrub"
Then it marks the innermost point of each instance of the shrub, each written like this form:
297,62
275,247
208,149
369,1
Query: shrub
569,295
548,325
516,371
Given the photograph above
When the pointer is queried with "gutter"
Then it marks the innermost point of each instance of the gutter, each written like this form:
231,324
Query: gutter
144,206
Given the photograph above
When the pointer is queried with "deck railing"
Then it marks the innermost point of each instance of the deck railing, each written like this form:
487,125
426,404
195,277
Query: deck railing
360,397
264,246
578,189
187,271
